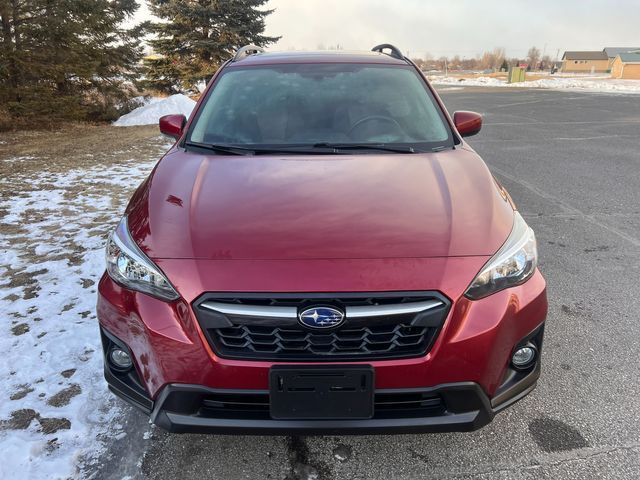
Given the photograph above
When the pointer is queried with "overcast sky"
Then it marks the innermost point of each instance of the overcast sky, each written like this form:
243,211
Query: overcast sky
450,27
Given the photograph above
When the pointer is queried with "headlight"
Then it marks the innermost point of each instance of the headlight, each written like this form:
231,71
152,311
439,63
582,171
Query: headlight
512,265
130,267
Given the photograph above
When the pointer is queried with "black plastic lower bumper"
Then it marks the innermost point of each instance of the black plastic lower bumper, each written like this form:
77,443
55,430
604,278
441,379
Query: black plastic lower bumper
192,408
455,407
184,409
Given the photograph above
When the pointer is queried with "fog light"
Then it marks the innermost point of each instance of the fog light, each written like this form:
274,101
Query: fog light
120,359
524,357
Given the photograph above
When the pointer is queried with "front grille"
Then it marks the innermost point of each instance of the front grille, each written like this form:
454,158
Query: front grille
266,327
380,340
255,405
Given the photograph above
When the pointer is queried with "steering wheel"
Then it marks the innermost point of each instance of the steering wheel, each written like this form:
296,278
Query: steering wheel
375,118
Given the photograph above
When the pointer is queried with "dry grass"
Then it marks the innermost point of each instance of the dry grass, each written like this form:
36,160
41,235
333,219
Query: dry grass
76,145
36,161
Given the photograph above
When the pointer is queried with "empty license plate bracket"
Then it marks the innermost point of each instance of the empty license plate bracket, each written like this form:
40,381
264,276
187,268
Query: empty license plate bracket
313,392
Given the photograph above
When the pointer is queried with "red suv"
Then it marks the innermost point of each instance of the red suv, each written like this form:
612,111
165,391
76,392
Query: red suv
321,252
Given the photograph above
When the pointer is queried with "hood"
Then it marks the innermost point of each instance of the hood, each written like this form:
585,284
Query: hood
321,206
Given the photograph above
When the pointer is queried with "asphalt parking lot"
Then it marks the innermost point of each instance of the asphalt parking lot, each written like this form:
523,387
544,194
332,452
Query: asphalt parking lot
571,161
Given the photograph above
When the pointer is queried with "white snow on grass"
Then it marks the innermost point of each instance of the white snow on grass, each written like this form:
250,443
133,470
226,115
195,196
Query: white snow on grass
155,108
581,84
55,409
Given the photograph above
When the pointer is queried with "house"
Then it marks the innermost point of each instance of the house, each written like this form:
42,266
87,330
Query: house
613,52
626,65
585,61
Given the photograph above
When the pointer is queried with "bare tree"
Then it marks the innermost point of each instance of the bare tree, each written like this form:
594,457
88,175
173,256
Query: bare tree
533,57
492,60
545,63
443,63
419,62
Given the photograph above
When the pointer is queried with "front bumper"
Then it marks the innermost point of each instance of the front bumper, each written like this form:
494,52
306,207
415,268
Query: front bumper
468,366
457,407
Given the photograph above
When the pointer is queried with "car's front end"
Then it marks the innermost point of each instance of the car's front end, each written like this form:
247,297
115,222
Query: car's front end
457,376
325,293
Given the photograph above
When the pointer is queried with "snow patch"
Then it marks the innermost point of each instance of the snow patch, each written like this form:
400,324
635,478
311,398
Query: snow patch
582,84
150,113
18,159
55,409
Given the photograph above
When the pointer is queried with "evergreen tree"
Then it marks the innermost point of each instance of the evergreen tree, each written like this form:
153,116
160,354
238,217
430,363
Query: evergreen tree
67,59
197,36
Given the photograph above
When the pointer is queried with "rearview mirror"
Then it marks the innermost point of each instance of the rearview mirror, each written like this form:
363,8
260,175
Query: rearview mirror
172,125
467,123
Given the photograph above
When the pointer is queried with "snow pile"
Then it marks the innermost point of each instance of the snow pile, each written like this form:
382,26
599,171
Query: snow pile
155,108
582,84
468,82
55,409
605,85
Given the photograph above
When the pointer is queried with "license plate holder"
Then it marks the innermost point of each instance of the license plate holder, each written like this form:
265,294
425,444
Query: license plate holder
315,392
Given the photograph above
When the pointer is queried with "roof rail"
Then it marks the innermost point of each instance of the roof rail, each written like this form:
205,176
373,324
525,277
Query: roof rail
246,51
395,51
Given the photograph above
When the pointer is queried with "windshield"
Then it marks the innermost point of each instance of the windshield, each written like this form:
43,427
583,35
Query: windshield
321,104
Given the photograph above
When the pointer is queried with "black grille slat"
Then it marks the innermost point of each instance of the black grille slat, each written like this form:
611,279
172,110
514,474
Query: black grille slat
264,348
362,338
233,332
379,338
234,342
266,342
293,343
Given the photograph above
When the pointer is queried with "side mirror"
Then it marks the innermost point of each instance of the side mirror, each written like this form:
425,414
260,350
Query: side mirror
467,123
172,125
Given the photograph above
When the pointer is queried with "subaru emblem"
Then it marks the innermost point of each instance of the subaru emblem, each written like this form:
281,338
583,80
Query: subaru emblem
321,317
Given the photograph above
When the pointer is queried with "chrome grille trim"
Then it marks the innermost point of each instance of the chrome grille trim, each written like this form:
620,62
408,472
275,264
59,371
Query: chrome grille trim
397,309
251,310
292,312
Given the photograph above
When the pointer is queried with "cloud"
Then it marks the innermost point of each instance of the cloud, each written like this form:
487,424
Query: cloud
449,27
452,27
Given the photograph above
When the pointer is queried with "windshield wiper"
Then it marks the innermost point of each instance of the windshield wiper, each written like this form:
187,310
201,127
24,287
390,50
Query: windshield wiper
237,150
220,148
365,146
317,148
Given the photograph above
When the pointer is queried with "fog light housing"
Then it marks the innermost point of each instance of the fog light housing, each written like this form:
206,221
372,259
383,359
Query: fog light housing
524,357
120,359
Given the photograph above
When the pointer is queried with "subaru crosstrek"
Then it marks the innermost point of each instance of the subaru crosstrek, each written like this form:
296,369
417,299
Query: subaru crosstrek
321,252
